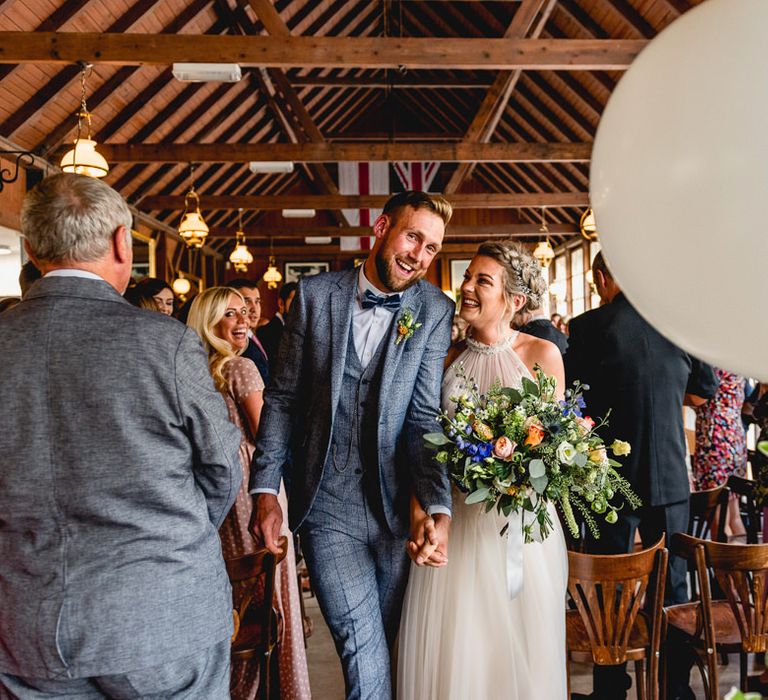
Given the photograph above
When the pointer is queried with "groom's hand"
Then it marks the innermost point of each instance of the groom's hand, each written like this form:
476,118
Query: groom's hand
428,545
266,521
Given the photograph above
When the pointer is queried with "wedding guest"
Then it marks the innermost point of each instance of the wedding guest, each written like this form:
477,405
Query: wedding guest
270,334
254,350
117,471
28,275
555,319
152,294
458,329
221,318
536,323
643,379
721,446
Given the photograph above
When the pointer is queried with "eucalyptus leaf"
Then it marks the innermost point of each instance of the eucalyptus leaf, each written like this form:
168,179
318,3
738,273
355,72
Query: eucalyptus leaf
513,394
539,483
580,459
537,468
477,496
530,387
436,439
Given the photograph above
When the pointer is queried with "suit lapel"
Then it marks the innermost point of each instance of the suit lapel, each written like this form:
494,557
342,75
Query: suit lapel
342,302
393,352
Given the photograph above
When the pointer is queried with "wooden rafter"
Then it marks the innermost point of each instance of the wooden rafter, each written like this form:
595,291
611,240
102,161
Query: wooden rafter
284,52
334,152
373,201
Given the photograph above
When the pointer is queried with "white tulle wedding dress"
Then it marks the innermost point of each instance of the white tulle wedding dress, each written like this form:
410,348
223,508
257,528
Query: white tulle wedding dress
461,635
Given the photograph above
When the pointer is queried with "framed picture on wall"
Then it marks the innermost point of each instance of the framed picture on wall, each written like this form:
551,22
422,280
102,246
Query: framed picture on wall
294,271
458,268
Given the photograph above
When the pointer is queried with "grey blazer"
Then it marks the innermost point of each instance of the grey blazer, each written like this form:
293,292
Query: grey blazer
117,465
300,403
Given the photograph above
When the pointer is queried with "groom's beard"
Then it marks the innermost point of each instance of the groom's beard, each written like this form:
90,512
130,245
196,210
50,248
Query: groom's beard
384,268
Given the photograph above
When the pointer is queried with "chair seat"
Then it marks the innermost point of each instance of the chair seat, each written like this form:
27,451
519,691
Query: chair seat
578,640
686,618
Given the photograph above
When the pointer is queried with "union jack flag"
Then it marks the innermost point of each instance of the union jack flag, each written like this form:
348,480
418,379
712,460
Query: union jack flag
416,176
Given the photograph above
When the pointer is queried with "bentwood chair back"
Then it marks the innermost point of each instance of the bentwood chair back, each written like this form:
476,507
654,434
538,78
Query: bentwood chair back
257,622
708,506
745,490
609,623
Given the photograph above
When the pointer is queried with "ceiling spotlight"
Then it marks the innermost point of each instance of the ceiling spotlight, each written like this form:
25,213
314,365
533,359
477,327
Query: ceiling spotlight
5,250
207,72
298,213
270,166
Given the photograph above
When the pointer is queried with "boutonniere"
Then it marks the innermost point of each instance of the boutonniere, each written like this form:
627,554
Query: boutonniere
406,325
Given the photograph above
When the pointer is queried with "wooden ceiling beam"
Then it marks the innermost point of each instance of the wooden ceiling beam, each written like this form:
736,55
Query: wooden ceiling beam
462,152
311,51
373,201
497,98
452,231
397,83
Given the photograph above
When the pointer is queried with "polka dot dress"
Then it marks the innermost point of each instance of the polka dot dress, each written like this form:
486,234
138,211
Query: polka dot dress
244,379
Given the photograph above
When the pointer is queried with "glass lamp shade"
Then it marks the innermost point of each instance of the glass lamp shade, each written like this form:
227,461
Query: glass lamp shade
588,226
181,286
272,276
84,159
544,253
241,255
193,228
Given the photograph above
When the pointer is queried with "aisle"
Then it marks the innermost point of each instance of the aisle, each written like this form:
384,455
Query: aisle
327,682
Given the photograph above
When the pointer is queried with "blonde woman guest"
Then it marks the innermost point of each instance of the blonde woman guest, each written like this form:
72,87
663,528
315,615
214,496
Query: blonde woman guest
220,317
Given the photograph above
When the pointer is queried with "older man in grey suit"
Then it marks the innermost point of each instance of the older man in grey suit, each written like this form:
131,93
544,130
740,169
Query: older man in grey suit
118,465
357,385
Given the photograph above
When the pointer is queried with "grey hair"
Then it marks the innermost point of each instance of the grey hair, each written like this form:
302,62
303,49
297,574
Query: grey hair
72,217
522,272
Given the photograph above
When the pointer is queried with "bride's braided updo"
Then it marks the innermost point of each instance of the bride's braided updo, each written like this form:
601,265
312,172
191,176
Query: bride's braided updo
522,272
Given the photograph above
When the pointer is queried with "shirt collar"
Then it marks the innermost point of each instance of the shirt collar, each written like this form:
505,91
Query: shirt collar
73,272
363,284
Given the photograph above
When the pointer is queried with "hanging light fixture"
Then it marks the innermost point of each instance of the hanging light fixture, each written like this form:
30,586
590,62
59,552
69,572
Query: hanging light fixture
192,227
240,257
543,251
181,285
587,225
83,158
272,276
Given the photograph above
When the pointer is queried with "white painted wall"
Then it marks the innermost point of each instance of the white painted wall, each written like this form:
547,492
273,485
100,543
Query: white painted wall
10,265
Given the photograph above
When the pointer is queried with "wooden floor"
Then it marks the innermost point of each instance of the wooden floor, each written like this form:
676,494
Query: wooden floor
327,682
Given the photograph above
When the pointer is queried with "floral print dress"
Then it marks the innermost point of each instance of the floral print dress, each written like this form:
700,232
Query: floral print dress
721,448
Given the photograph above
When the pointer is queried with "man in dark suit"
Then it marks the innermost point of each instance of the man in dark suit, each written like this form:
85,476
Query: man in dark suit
644,380
254,351
537,324
118,466
269,335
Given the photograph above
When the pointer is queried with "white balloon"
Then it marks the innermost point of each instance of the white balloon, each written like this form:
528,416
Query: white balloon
679,183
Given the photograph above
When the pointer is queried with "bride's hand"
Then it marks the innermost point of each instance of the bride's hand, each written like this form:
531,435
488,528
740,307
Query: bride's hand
428,545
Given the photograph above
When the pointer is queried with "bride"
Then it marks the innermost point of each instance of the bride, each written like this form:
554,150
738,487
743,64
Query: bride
462,636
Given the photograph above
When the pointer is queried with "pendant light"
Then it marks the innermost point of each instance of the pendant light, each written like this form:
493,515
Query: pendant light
272,276
240,257
192,227
83,158
587,225
543,252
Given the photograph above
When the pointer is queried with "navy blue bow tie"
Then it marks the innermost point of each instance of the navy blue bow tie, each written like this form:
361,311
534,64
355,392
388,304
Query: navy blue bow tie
371,300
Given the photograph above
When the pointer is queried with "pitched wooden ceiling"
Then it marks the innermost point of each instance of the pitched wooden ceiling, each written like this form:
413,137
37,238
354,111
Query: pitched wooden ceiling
449,109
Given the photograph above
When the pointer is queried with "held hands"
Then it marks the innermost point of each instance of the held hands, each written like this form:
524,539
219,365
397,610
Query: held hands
428,545
266,521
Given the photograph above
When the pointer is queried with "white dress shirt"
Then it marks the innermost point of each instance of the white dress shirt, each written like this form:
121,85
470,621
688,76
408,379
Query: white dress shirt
72,272
369,326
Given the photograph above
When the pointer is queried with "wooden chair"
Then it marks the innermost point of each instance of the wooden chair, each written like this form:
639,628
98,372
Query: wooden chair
706,506
608,622
750,515
737,624
694,619
257,623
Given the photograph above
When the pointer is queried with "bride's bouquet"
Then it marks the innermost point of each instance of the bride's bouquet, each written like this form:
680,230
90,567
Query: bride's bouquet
518,449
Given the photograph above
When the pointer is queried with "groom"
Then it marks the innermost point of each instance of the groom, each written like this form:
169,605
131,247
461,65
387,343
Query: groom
357,385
